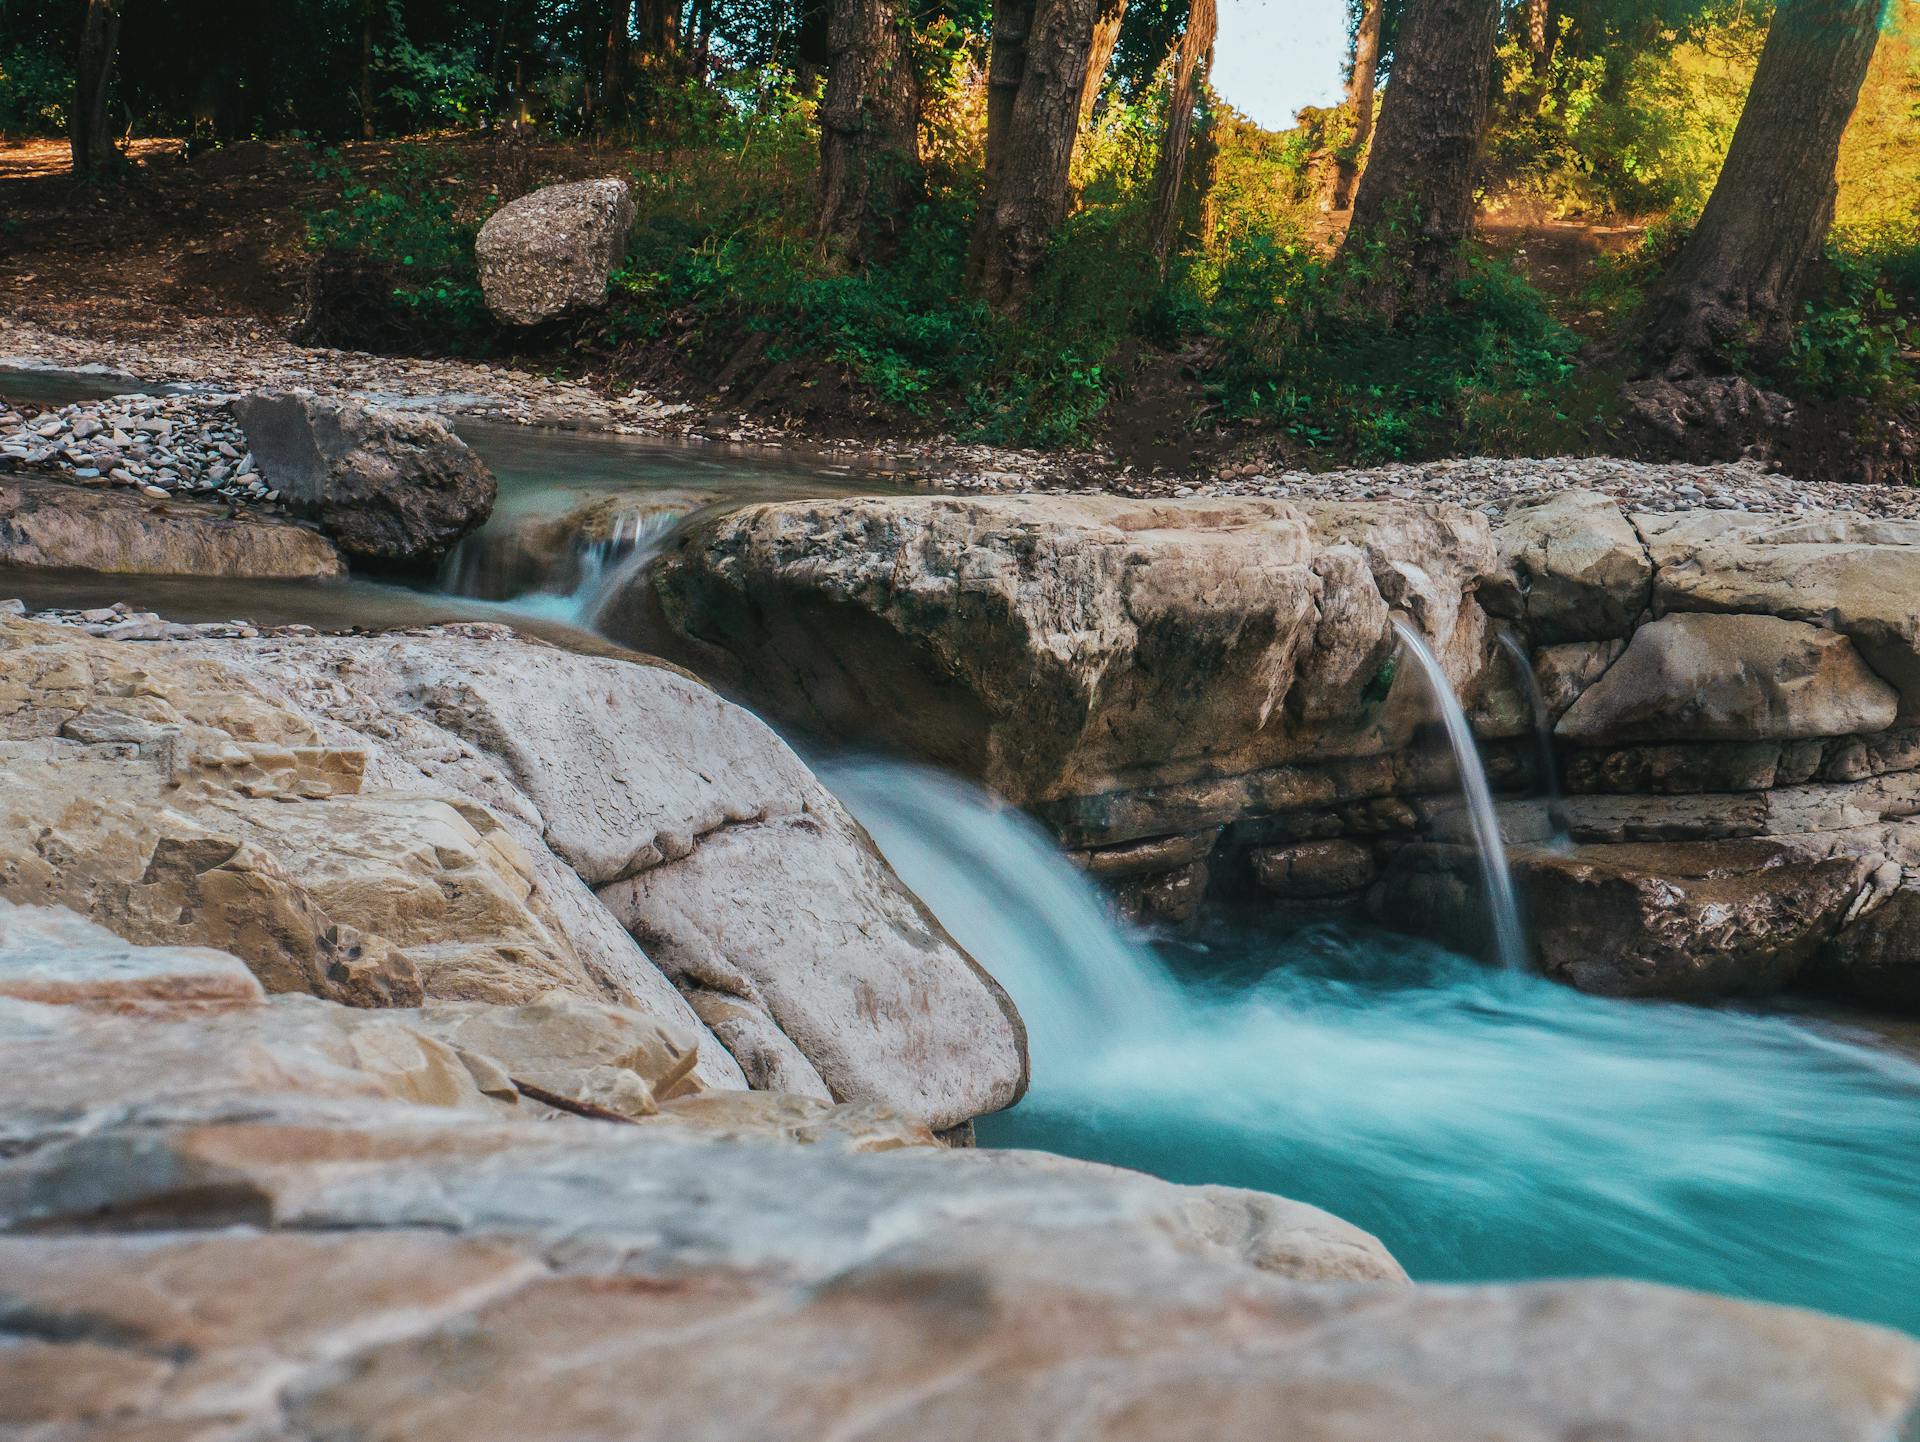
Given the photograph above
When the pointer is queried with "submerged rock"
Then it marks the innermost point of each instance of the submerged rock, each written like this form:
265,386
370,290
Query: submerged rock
552,251
387,485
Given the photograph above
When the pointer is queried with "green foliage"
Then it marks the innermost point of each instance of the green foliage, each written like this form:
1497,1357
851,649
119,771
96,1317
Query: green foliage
1861,323
35,86
426,87
1622,131
1483,372
408,236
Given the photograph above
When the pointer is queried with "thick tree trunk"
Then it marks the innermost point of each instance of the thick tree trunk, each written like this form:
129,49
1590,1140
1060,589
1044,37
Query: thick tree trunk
1733,292
1029,144
870,174
1191,63
616,63
1006,63
1106,39
366,69
1414,205
1361,83
91,137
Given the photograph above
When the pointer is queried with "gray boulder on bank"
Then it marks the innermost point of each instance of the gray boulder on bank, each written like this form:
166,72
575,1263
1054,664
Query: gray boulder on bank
386,485
552,251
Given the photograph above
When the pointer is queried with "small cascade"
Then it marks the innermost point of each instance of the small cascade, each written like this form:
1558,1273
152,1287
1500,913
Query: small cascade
486,566
1509,941
999,884
1546,761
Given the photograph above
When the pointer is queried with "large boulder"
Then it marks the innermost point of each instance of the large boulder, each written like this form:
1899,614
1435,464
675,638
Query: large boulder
686,819
387,485
1851,574
46,523
551,252
1688,920
1703,677
1573,569
1065,646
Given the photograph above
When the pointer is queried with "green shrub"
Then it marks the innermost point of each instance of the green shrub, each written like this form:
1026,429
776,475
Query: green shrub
35,87
393,260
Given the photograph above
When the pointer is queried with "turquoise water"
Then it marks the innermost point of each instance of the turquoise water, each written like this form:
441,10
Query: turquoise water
1484,1124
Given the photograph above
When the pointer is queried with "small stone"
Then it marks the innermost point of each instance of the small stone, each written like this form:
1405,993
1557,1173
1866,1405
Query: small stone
156,492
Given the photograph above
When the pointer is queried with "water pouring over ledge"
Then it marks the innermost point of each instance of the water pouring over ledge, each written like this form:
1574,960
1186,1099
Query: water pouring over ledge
1485,1124
1503,911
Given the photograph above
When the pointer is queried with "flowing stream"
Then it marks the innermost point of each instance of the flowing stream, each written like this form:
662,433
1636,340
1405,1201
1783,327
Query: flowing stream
1483,1122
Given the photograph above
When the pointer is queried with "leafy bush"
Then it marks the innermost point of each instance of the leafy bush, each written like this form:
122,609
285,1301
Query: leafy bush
35,87
393,260
1861,324
1485,371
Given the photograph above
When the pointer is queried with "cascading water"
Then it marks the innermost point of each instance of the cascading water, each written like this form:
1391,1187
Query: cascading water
1503,912
1545,760
1486,1124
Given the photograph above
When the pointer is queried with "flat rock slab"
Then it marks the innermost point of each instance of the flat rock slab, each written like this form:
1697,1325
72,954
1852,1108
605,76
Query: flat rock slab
45,523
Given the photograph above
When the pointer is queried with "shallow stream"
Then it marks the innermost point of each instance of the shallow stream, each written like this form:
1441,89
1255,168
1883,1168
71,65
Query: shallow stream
1484,1123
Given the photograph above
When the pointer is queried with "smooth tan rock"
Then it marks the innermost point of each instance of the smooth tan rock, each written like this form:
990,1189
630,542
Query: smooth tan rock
50,524
703,835
1574,569
978,1337
55,958
551,251
1563,673
1699,677
1849,580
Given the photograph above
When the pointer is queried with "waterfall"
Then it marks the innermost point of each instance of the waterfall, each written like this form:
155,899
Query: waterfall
1503,912
998,882
600,569
1544,758
1484,1123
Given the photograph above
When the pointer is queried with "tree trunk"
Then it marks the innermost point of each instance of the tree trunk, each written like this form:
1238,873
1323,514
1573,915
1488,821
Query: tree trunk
1006,63
366,69
1106,39
1194,59
617,64
870,173
89,133
1030,149
1733,292
1361,83
1413,211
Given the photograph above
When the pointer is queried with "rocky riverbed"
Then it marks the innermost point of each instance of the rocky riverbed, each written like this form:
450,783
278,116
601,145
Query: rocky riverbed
387,1006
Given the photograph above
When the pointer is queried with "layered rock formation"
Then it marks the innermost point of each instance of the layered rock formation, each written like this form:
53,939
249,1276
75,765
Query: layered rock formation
48,523
226,1213
1205,698
463,816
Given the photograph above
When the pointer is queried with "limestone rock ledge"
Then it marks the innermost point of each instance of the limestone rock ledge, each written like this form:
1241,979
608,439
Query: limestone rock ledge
461,815
228,1214
1205,701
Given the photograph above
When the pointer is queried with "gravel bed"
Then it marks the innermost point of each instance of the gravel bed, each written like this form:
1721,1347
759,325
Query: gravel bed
1492,485
158,445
